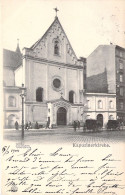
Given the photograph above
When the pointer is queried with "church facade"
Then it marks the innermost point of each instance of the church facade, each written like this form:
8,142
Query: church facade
55,82
53,77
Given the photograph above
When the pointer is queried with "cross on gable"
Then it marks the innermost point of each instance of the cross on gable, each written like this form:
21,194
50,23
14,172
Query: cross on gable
56,10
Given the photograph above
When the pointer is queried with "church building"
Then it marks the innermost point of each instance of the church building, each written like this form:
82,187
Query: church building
53,78
57,87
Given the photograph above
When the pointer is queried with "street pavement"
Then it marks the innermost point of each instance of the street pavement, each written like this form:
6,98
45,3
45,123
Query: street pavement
65,135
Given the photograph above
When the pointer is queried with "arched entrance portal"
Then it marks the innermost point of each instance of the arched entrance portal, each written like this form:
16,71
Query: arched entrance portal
100,120
61,116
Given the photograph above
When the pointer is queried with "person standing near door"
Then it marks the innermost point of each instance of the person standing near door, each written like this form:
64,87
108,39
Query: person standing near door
16,125
74,125
78,125
47,125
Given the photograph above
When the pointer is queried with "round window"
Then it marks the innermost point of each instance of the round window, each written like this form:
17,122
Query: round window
56,83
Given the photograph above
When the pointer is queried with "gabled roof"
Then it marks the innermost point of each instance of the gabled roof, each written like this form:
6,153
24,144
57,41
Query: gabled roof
55,21
11,59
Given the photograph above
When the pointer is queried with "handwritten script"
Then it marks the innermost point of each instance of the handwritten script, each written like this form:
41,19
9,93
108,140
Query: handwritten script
31,170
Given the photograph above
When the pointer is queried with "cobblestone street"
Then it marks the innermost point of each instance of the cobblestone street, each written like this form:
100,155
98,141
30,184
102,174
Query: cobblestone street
65,135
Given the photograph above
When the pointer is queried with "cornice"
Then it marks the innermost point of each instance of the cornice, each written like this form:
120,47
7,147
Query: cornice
52,62
101,94
11,110
100,111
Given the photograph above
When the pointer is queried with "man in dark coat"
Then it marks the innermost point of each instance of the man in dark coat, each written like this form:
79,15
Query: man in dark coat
16,125
36,125
78,125
74,125
47,125
26,126
30,125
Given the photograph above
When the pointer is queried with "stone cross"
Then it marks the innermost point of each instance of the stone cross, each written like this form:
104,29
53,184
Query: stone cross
56,10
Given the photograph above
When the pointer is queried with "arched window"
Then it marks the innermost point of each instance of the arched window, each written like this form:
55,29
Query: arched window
100,104
71,96
111,104
11,101
56,47
39,94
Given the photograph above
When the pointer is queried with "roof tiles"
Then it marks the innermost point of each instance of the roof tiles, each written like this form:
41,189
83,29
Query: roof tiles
11,59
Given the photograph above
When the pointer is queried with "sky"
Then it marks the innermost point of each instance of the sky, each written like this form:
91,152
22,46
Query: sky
87,23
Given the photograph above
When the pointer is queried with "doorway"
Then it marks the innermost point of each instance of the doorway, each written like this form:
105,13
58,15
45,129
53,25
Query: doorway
100,120
61,116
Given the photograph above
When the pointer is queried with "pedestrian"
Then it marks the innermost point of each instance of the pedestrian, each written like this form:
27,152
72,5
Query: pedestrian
74,125
78,125
122,125
16,125
36,125
26,126
47,125
30,125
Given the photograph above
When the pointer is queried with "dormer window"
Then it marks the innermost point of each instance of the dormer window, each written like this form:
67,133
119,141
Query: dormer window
56,47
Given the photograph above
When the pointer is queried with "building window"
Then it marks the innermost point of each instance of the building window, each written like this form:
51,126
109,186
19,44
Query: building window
71,97
121,91
57,83
81,97
100,104
39,94
12,101
111,117
121,65
121,78
88,104
121,105
56,47
111,104
121,54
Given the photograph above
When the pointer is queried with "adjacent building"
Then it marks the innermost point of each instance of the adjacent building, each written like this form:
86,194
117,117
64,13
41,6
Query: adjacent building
101,107
106,74
12,101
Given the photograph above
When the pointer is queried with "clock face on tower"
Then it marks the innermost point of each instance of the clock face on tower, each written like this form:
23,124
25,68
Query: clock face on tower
57,83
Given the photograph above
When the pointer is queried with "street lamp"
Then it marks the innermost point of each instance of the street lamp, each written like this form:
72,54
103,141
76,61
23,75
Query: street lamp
23,94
